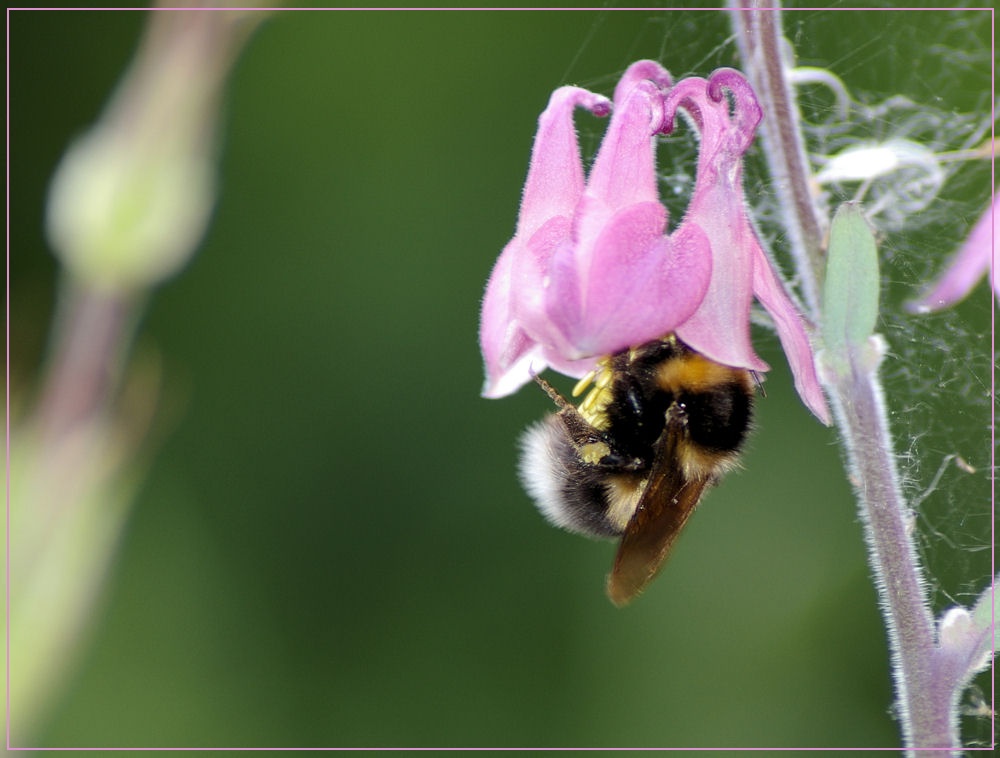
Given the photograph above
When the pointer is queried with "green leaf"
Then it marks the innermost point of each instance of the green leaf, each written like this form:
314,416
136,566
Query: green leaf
851,289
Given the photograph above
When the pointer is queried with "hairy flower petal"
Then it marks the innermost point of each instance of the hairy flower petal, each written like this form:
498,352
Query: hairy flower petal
555,174
507,349
553,188
640,284
792,333
621,283
720,329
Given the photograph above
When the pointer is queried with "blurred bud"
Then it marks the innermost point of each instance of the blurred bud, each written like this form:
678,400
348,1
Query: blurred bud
132,197
123,220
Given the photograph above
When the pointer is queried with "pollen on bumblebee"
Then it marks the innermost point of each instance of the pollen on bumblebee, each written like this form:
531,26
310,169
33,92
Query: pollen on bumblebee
596,402
586,380
593,452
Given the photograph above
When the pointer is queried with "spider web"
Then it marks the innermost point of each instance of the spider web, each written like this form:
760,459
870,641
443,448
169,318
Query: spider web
938,374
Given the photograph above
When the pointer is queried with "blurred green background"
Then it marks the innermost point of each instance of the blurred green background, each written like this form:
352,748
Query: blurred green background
330,546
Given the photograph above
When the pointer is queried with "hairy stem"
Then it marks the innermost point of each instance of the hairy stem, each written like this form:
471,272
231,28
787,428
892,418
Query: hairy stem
924,699
927,687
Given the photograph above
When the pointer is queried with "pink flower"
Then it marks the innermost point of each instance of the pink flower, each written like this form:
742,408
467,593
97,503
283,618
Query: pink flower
970,264
591,271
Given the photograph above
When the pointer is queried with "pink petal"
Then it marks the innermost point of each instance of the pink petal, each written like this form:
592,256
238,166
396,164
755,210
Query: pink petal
555,174
969,265
624,171
547,260
639,285
507,350
644,69
792,333
720,328
552,190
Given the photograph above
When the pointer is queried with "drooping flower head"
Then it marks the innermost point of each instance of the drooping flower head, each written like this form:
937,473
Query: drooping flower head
591,270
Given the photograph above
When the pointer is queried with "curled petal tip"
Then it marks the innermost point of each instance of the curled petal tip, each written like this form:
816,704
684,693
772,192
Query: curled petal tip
747,113
644,70
686,93
732,80
569,96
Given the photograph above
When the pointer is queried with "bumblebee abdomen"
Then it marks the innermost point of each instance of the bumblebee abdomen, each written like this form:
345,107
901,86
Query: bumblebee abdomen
718,419
569,492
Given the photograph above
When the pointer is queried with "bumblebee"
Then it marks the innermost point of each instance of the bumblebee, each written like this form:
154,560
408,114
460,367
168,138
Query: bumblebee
659,425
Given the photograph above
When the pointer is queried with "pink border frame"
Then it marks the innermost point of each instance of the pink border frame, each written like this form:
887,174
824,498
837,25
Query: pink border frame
441,8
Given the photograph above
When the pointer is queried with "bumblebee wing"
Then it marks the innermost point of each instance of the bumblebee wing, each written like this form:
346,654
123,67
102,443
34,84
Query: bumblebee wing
664,508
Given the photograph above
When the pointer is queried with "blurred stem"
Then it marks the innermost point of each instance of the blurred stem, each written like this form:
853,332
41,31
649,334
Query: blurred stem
127,208
91,335
69,491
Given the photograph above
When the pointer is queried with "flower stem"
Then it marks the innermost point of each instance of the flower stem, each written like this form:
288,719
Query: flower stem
927,679
923,699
